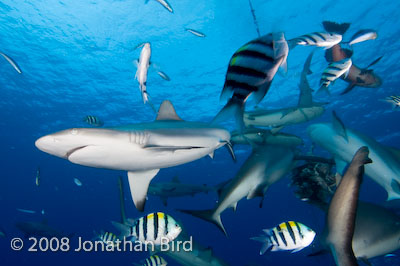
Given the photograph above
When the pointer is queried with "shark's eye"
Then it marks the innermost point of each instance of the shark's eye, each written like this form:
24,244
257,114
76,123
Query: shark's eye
74,131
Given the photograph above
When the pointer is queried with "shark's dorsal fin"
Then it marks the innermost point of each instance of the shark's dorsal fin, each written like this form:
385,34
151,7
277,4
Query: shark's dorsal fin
175,179
338,126
167,112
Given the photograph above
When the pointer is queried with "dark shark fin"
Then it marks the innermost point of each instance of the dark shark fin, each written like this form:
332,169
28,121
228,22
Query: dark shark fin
349,88
167,112
139,184
338,126
374,62
234,107
209,216
229,146
339,28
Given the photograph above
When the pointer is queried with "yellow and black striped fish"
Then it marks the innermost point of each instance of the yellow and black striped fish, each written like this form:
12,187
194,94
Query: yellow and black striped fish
154,260
93,120
250,72
286,236
151,228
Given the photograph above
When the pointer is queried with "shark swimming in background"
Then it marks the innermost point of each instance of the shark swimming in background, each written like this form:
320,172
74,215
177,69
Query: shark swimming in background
39,229
266,165
177,189
343,142
305,110
140,149
254,135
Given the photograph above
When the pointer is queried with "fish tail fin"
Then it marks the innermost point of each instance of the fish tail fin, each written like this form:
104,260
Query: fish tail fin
209,216
124,229
233,107
266,243
323,88
339,28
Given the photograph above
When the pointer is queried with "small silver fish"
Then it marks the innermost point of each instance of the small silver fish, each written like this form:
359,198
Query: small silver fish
195,32
37,179
362,36
77,182
165,4
163,75
320,39
12,62
26,211
93,120
333,72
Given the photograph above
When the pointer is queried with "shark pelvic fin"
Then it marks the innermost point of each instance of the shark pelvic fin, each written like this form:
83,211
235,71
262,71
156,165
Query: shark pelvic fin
167,112
139,182
338,126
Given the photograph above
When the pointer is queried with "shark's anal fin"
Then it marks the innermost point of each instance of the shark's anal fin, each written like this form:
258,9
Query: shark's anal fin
338,126
167,112
139,182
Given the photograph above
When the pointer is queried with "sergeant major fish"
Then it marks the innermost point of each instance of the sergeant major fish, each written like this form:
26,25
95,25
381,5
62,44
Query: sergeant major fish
107,238
319,39
395,100
93,120
154,260
250,72
333,72
286,236
152,228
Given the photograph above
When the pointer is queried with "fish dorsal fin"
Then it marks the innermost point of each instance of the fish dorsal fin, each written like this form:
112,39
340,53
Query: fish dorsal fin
167,112
338,126
394,151
139,184
175,179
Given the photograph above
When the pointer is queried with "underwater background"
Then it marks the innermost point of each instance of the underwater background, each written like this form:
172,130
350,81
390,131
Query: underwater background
77,60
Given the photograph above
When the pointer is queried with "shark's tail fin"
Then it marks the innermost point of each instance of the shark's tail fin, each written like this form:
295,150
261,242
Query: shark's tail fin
339,28
266,243
209,216
234,107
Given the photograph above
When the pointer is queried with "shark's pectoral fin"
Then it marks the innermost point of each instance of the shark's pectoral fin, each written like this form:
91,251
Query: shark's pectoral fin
338,126
139,184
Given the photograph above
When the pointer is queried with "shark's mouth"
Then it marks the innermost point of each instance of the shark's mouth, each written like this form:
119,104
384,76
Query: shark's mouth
70,152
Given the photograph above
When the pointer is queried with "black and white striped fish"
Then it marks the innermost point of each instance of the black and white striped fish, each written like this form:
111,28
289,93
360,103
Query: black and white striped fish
286,236
151,228
107,238
393,99
320,39
334,71
154,260
93,120
250,72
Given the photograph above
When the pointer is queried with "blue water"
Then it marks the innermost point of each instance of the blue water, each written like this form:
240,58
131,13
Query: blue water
76,58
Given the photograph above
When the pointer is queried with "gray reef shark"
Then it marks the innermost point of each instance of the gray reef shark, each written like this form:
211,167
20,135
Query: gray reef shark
264,136
42,229
306,109
197,256
266,165
177,189
343,142
140,149
341,216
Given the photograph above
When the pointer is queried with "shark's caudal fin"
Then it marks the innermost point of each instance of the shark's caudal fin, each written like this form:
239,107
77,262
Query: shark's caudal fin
139,184
233,107
167,112
339,28
209,216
